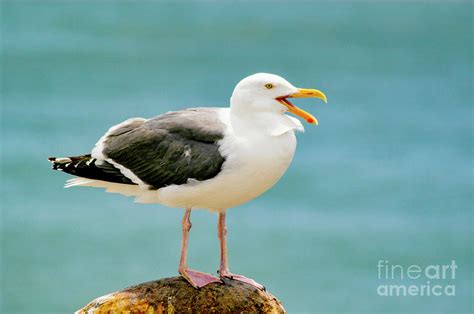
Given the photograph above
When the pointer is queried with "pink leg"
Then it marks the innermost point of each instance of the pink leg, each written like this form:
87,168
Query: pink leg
224,267
195,278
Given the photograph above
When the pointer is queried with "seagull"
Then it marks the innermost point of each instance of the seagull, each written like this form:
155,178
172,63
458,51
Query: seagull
200,158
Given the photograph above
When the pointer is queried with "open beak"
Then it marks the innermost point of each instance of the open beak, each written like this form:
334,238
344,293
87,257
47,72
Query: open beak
302,93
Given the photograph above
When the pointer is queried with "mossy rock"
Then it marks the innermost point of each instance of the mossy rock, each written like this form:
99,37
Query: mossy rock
176,295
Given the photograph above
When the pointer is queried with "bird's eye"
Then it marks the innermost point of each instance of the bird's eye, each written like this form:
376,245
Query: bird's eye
269,85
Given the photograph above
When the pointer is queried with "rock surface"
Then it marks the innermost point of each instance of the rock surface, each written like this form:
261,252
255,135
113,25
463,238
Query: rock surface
176,295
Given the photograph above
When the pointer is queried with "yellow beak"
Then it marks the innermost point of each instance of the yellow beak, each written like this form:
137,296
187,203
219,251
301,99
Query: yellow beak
309,93
303,93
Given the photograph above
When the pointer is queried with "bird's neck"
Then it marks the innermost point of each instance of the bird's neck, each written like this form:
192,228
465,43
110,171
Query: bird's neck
248,123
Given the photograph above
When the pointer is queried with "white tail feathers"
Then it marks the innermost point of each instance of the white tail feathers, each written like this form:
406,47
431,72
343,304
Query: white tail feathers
77,182
111,187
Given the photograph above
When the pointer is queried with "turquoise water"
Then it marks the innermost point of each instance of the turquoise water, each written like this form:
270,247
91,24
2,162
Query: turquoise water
387,175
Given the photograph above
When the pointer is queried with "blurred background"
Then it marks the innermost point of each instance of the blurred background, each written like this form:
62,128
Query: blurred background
387,174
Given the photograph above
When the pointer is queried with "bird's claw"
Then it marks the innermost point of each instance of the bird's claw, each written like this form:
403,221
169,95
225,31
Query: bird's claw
198,279
243,279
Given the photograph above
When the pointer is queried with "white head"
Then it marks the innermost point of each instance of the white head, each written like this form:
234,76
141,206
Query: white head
268,93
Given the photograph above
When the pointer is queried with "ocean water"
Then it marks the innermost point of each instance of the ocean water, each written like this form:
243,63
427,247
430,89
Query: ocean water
386,176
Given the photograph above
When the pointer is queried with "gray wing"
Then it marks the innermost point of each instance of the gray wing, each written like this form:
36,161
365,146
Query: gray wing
170,148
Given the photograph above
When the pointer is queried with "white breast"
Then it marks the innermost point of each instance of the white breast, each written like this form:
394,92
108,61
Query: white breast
254,163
